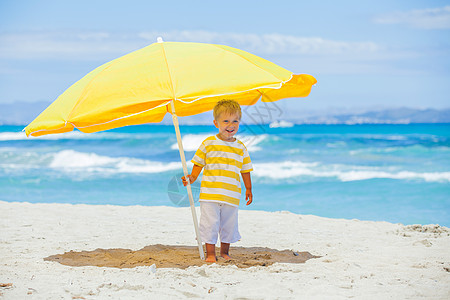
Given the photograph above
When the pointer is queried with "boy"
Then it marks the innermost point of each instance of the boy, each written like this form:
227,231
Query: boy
223,157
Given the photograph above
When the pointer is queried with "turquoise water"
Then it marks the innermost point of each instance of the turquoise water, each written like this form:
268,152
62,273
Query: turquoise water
395,173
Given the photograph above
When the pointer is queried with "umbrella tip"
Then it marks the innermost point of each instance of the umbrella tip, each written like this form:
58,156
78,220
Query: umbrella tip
159,39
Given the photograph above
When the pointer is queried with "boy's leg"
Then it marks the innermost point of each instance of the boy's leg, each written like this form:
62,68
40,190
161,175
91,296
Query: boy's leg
209,228
224,249
210,252
229,232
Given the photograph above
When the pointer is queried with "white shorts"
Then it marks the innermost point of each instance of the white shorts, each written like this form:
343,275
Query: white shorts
218,218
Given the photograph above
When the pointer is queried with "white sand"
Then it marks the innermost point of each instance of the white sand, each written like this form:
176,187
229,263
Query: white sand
365,260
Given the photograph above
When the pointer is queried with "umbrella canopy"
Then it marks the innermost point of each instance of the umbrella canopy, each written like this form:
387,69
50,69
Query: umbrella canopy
139,87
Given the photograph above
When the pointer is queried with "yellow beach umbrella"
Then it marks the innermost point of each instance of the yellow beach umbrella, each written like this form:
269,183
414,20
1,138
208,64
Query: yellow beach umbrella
167,77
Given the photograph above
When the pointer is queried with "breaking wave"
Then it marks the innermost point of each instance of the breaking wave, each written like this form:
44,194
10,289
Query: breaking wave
74,161
73,135
293,169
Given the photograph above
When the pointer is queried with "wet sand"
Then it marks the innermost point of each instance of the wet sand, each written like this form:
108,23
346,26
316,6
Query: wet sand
164,256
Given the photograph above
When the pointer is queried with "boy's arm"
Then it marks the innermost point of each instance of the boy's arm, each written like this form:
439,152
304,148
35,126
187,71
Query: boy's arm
248,186
193,176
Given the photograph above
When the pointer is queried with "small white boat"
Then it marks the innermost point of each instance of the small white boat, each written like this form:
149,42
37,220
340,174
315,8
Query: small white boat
281,124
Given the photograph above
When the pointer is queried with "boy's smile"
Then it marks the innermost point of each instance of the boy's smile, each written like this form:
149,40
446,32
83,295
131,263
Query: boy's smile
228,125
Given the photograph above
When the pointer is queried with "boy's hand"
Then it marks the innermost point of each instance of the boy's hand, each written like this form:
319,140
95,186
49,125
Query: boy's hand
248,196
193,176
248,186
191,179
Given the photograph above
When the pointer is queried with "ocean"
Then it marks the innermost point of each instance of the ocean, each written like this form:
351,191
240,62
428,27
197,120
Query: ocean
394,173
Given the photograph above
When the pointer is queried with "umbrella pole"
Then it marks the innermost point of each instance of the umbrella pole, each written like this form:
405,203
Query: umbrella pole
185,171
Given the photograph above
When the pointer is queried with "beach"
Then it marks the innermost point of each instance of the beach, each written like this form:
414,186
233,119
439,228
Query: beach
351,258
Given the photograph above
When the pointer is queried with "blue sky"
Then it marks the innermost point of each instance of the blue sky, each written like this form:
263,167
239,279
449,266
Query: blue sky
363,53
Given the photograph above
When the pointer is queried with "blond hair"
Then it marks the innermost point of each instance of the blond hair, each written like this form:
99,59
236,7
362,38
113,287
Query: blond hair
227,106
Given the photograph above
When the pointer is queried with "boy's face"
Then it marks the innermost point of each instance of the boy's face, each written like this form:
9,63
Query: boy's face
228,125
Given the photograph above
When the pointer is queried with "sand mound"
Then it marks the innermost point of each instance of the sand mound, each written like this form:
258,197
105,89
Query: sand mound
164,256
431,228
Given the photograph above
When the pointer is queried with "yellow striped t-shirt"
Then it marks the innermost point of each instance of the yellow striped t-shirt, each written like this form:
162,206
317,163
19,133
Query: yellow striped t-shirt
222,164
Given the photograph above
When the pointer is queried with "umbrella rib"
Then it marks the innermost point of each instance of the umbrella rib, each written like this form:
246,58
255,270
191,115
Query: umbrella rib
83,92
168,70
224,94
123,117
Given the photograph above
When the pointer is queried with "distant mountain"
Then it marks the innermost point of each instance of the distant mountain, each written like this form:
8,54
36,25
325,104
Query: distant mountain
402,115
22,113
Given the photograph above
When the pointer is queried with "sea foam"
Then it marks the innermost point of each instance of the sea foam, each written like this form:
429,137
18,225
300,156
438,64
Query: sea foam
70,160
74,161
293,169
191,142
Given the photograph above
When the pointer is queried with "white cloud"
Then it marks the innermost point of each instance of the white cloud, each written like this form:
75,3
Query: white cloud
101,45
269,43
430,18
63,45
